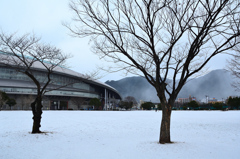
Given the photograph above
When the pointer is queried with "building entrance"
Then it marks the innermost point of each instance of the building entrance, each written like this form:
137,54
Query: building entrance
59,105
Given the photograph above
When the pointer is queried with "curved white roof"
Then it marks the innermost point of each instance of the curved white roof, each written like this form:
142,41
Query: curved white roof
65,71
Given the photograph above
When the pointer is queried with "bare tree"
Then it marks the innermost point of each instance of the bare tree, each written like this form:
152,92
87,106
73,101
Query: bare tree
234,67
130,99
160,40
3,99
79,101
128,102
24,53
26,100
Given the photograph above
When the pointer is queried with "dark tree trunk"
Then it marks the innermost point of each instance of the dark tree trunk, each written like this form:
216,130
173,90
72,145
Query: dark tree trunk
166,114
165,124
37,115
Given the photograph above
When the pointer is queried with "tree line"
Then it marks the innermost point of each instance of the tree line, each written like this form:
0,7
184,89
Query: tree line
232,103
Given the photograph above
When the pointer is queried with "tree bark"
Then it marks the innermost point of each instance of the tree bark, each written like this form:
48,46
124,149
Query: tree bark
166,113
37,115
165,124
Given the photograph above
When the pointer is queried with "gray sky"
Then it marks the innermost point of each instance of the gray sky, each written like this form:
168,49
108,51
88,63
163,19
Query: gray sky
44,18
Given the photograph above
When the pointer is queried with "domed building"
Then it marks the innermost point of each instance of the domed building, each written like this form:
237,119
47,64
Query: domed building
70,89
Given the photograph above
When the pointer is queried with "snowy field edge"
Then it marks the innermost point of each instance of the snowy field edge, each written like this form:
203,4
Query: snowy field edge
119,135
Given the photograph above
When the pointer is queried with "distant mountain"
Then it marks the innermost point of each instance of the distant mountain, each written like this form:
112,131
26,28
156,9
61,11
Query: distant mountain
216,84
137,87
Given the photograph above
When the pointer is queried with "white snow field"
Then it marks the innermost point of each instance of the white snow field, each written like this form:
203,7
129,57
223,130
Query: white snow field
120,135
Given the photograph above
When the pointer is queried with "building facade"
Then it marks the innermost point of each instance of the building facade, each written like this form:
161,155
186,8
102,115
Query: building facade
74,90
186,100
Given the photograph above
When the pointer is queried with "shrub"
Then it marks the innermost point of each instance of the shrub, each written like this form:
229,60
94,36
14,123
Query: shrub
96,103
147,105
218,106
159,106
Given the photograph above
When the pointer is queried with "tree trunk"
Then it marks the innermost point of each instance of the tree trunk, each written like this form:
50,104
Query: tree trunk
165,124
166,114
37,113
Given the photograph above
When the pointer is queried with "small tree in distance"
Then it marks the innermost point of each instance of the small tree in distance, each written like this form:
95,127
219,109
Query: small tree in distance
147,106
79,101
128,102
96,103
3,99
218,105
25,101
125,105
234,102
11,102
193,104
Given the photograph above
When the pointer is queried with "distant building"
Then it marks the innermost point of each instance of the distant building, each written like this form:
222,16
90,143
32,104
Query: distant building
75,95
186,100
213,100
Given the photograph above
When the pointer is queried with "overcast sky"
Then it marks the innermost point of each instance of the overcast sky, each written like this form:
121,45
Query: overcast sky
45,17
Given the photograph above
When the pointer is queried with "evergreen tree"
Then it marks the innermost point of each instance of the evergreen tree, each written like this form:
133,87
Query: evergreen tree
11,102
3,99
96,103
234,102
193,104
147,106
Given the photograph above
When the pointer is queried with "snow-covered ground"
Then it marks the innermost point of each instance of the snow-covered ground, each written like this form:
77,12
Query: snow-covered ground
120,135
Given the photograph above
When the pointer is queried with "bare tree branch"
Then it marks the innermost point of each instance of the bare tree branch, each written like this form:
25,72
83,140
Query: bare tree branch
25,53
162,40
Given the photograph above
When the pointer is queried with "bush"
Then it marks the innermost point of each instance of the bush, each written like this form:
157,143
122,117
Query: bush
147,106
184,107
96,103
11,102
159,106
218,106
125,105
193,105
